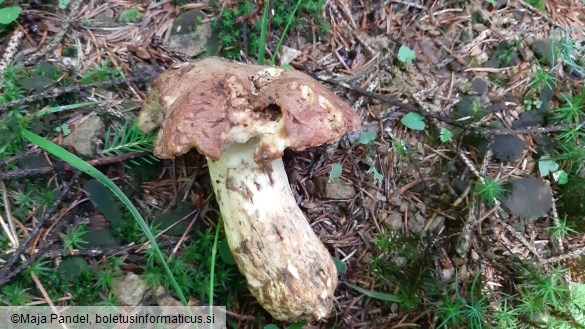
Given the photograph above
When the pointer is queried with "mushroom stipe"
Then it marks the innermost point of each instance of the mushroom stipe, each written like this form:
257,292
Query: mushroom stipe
242,117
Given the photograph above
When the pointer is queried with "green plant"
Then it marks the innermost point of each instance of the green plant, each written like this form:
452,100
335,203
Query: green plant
506,316
405,54
445,135
64,129
538,4
489,190
541,78
573,110
14,294
8,14
130,15
474,310
104,72
414,121
281,16
403,266
569,51
128,138
41,268
544,297
529,104
547,166
105,279
73,239
377,176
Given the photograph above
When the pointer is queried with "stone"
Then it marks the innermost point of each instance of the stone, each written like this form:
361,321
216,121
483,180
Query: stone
334,189
130,289
189,34
288,54
82,138
105,19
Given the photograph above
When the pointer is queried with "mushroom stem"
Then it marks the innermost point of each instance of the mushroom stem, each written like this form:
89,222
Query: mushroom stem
288,269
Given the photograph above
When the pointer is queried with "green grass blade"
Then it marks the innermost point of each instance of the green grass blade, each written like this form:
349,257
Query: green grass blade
55,109
263,31
212,265
290,19
78,163
376,294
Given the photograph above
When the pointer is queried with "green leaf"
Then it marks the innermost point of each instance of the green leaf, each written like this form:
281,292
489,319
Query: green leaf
561,177
376,294
446,135
9,14
336,170
377,176
546,165
367,137
341,268
413,121
405,54
270,326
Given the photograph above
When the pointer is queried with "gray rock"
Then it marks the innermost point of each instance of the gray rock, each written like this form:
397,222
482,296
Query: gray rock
82,138
189,36
105,19
334,189
130,289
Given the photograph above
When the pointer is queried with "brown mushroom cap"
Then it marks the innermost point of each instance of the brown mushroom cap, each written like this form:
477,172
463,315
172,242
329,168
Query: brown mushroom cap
213,103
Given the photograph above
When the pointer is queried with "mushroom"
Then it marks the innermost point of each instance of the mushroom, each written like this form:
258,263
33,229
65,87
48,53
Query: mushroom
242,117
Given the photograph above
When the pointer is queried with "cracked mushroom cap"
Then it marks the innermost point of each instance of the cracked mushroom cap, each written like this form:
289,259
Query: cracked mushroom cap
213,103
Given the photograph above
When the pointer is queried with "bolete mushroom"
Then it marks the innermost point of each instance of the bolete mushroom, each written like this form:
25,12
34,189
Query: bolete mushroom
242,117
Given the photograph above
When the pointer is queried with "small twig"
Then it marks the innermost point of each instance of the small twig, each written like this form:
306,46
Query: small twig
12,233
43,291
22,173
515,233
531,130
55,92
471,221
9,53
570,255
6,275
555,217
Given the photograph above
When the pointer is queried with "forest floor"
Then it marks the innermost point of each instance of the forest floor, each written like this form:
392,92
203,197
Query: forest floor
460,202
